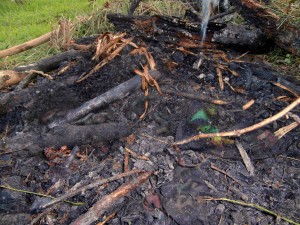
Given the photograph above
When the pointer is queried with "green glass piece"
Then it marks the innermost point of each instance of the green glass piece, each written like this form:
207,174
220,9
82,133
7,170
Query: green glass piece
201,114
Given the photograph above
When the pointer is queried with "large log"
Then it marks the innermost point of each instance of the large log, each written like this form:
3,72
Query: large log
187,34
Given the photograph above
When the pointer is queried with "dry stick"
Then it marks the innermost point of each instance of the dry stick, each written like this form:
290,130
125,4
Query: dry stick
107,201
38,194
92,185
109,217
295,117
25,46
126,162
224,172
113,94
284,130
261,208
39,216
134,154
245,157
242,131
196,97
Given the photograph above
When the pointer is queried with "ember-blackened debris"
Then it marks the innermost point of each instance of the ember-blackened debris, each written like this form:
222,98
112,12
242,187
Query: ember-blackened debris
165,183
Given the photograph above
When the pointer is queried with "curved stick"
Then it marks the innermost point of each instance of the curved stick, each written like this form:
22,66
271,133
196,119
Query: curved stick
244,130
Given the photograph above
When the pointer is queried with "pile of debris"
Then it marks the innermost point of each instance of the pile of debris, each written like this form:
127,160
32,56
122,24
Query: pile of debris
138,127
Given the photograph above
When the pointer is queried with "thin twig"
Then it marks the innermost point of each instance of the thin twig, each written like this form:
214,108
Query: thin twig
261,208
84,188
143,157
109,217
39,216
154,138
284,130
196,97
126,162
286,88
244,130
224,172
39,194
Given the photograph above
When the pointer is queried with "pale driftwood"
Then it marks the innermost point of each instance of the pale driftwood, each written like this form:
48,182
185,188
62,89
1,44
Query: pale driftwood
113,94
25,46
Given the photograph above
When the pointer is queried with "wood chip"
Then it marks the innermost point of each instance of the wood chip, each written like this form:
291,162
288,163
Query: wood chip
245,157
248,104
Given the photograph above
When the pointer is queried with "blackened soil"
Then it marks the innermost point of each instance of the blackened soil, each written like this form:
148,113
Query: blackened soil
184,177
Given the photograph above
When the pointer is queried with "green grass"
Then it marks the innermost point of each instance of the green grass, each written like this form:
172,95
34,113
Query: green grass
22,22
33,18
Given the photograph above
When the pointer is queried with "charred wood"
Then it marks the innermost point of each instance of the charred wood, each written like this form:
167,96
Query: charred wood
255,13
134,4
69,135
241,35
50,63
112,95
286,37
164,28
187,34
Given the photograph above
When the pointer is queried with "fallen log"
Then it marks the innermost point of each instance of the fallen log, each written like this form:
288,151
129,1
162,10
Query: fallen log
68,135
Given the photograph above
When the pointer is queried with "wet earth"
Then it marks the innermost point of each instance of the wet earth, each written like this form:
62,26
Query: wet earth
200,182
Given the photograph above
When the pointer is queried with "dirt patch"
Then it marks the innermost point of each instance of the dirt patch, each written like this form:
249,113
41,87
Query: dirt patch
189,182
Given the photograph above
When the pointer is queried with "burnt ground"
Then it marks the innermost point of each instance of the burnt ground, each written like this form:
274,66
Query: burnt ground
183,176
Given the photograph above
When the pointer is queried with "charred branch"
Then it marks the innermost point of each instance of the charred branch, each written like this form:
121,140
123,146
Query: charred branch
112,95
286,37
50,63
